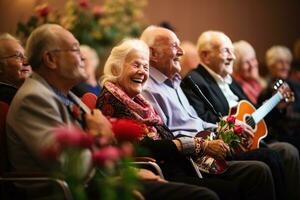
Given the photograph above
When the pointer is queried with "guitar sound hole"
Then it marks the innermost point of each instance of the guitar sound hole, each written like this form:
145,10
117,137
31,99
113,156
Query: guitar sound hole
250,121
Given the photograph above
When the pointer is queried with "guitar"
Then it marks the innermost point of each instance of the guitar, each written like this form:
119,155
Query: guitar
247,113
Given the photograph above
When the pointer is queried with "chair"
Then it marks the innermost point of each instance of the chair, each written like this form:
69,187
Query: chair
90,100
8,179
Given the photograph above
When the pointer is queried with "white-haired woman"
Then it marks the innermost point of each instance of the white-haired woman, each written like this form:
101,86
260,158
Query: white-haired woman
283,122
125,73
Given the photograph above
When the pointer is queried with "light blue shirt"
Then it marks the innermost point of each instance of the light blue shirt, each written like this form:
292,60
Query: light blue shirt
170,102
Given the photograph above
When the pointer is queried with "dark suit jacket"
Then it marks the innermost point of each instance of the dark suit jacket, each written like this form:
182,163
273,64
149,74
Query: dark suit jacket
212,92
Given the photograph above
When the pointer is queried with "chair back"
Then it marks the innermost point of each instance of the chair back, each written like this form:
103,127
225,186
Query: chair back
3,150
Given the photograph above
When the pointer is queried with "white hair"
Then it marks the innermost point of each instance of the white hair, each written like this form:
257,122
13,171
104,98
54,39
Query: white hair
6,36
241,49
92,52
207,40
115,62
41,39
276,53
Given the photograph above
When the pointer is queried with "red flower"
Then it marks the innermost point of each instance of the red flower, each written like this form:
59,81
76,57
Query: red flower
43,10
231,119
84,3
106,155
238,130
127,130
51,152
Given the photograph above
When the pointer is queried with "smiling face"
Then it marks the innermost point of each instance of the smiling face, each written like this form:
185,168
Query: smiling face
168,51
220,57
13,68
69,60
248,67
280,68
135,73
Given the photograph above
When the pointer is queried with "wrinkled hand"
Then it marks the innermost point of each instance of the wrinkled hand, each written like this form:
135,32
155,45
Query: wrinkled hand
97,124
288,99
217,149
248,132
148,175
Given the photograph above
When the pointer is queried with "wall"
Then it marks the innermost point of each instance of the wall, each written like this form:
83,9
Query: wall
261,22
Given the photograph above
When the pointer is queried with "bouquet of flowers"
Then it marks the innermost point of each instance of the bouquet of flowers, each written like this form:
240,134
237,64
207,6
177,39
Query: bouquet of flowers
114,173
229,132
99,26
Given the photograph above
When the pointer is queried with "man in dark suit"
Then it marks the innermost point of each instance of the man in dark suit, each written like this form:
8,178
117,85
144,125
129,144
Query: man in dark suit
213,77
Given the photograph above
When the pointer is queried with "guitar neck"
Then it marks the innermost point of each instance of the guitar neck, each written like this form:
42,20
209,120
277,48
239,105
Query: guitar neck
262,111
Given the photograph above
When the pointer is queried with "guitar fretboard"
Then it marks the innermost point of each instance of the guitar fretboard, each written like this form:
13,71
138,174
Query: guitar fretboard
261,112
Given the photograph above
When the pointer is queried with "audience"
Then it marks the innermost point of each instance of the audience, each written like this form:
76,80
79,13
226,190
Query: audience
164,92
295,66
44,101
213,77
125,73
91,61
13,67
245,70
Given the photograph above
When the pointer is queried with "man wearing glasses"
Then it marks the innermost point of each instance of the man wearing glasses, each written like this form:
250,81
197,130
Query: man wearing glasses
13,67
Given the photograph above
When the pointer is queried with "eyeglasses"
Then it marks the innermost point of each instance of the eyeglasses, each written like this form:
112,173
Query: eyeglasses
18,56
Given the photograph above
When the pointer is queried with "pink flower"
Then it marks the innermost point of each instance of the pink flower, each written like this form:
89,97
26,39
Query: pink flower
238,130
98,11
231,119
43,10
105,155
84,3
72,136
127,130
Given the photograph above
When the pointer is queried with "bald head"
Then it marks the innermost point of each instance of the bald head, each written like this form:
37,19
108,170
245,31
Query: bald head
165,49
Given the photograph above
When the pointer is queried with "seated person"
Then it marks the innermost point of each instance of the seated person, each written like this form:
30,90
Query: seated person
283,122
13,67
245,70
124,76
213,77
44,102
91,61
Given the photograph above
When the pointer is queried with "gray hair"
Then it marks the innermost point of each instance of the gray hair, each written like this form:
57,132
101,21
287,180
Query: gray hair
115,62
276,53
41,39
6,36
92,52
206,40
242,48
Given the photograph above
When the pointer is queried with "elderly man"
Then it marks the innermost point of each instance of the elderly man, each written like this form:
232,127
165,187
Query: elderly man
164,92
44,102
13,67
213,77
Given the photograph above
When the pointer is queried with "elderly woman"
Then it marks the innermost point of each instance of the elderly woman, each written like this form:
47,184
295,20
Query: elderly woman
283,122
125,73
246,70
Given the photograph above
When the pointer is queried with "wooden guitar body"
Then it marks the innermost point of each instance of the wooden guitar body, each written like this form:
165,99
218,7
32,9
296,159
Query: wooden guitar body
243,112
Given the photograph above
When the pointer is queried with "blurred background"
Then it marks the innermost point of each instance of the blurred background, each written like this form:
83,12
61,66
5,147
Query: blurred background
263,23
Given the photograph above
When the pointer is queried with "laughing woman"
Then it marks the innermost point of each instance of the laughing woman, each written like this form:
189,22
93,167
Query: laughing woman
125,73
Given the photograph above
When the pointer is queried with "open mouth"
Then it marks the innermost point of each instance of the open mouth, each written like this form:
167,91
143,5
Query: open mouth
137,80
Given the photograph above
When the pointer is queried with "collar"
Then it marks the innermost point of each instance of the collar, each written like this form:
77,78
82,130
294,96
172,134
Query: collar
160,78
217,77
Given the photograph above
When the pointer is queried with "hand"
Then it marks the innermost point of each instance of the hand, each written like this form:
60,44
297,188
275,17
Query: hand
217,149
148,175
97,124
289,98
